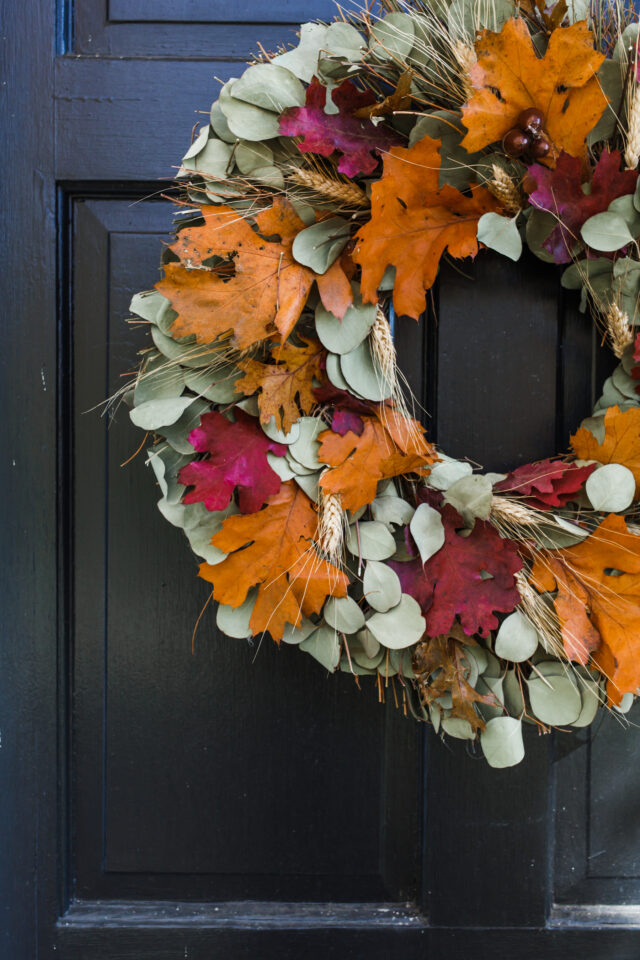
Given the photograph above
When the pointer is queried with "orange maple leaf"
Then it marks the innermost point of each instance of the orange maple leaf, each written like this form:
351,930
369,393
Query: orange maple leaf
285,386
389,446
273,550
621,442
603,573
413,222
263,290
510,77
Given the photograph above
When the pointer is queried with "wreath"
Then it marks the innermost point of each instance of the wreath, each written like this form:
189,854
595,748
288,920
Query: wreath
312,209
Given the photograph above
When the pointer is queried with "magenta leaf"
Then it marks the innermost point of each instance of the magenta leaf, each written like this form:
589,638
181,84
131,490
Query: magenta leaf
345,420
357,140
546,484
237,458
560,192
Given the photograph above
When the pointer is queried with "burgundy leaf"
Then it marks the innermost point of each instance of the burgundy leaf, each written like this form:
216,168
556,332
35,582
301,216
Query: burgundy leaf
358,140
345,420
560,192
237,458
546,484
454,580
333,396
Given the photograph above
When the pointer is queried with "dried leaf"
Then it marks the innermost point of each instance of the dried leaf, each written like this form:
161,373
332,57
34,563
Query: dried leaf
441,669
413,223
273,550
256,288
284,387
560,192
547,483
237,458
509,77
621,442
387,447
400,99
454,581
598,583
359,141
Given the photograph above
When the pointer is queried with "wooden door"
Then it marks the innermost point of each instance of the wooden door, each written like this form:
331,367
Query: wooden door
159,802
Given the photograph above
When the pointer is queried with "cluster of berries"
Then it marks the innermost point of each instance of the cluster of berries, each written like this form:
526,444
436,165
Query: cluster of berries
527,139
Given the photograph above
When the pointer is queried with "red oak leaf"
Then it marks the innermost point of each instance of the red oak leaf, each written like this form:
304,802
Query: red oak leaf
345,420
333,396
237,458
456,577
560,192
546,484
358,140
413,579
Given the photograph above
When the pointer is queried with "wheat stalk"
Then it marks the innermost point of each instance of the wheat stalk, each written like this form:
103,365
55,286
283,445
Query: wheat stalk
331,525
540,615
632,146
618,330
466,57
383,349
340,190
513,513
505,190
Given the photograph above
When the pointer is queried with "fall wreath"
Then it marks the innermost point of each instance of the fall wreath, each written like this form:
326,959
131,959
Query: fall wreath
321,196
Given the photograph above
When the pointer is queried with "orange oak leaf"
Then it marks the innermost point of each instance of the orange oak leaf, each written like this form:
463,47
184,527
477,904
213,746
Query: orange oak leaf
387,447
579,636
413,222
263,289
284,387
510,77
602,571
621,442
273,551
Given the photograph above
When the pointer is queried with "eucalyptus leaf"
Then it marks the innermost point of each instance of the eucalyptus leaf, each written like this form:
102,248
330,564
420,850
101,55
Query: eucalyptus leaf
302,60
214,160
517,638
427,530
309,483
606,231
269,86
381,586
219,124
234,621
158,380
281,466
250,156
295,635
611,79
344,614
446,473
217,385
279,436
154,414
363,374
319,245
392,511
392,38
611,488
471,497
334,373
591,700
555,699
402,626
500,234
305,448
540,224
370,541
342,336
458,728
502,742
244,119
324,645
178,433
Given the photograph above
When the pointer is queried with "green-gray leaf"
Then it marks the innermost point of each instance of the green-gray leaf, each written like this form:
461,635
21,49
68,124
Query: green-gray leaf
500,234
381,586
606,231
502,742
517,638
427,530
400,627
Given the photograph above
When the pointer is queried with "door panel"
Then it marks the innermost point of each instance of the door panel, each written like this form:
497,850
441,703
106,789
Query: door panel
166,802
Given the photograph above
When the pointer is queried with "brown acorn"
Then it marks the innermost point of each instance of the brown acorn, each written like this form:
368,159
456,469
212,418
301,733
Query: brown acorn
516,142
540,148
531,120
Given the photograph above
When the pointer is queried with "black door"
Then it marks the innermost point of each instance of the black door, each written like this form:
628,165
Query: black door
160,801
